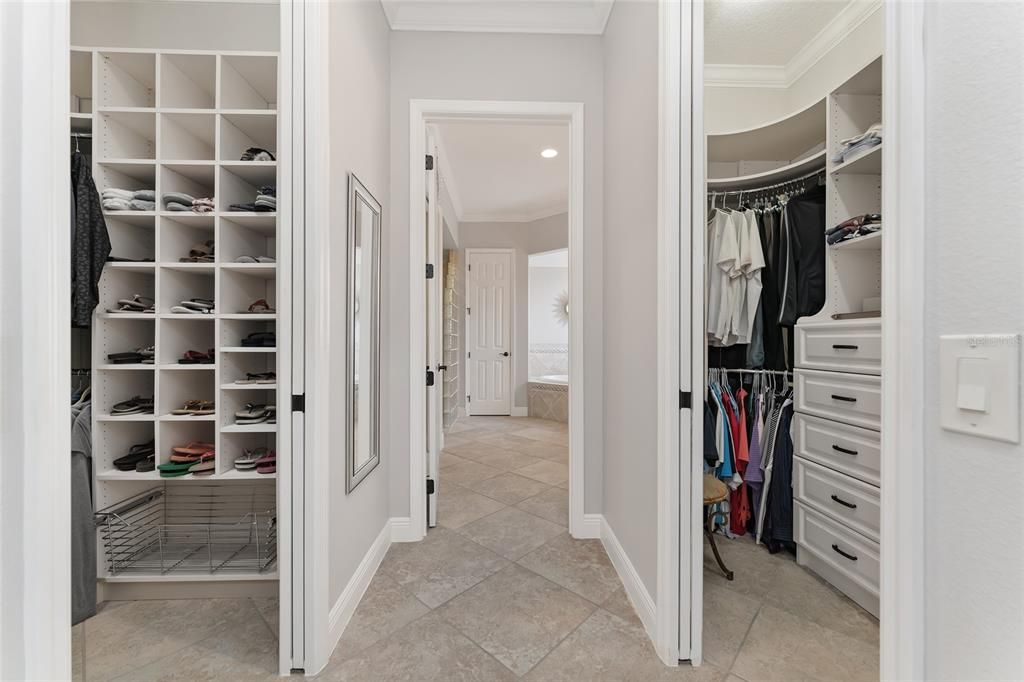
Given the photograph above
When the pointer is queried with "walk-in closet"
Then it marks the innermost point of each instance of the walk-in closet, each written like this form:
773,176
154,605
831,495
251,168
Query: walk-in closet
793,323
174,135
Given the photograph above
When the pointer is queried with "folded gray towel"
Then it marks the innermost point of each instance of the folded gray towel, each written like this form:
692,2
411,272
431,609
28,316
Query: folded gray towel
179,197
140,205
145,195
115,193
175,206
116,204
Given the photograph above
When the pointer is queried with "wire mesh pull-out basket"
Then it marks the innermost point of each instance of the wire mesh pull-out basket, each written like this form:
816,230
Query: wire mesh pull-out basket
192,528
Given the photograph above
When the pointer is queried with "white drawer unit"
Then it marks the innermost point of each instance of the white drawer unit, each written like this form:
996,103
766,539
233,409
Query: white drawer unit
842,346
849,398
848,449
847,500
846,559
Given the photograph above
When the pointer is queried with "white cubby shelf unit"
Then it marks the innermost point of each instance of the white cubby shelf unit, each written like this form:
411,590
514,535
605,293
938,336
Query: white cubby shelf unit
179,121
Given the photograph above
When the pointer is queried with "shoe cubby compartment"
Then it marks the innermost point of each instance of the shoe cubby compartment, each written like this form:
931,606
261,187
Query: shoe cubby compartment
127,79
233,401
188,81
81,82
173,434
234,445
240,289
184,281
179,234
236,363
248,82
123,336
233,331
181,383
240,186
127,175
112,440
211,528
240,239
119,386
239,132
131,236
177,336
117,284
195,179
125,135
188,137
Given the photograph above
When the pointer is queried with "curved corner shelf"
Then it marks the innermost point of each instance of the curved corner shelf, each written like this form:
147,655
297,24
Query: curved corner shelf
868,163
791,171
783,138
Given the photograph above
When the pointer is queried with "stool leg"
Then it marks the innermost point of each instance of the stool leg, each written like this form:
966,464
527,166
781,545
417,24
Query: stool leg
714,547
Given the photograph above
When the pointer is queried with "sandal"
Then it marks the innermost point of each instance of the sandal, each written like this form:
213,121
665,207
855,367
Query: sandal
250,457
185,310
258,378
195,408
199,303
260,307
134,405
268,464
136,304
194,448
192,459
255,259
260,340
203,468
251,411
194,357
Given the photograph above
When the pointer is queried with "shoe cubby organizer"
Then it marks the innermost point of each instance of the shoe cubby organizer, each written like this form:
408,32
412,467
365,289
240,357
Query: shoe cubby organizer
180,121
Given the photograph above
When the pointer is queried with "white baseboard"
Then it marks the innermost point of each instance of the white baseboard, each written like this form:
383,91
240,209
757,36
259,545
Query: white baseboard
635,590
590,528
520,412
402,531
341,612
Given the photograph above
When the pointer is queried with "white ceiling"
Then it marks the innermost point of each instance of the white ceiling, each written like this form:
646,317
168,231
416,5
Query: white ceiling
499,16
494,171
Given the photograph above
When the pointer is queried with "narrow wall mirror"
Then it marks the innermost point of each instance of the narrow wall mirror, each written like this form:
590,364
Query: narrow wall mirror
363,333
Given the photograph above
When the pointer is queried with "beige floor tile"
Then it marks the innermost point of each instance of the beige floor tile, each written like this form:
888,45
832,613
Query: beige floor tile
618,604
781,646
516,616
734,678
555,453
78,652
427,649
606,647
384,609
552,504
546,471
508,488
508,439
469,449
564,485
578,565
753,567
468,472
441,566
546,436
241,647
803,594
728,616
124,636
507,460
449,459
458,506
511,532
270,610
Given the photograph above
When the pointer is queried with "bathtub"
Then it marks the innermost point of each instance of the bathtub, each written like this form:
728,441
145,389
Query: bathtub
548,397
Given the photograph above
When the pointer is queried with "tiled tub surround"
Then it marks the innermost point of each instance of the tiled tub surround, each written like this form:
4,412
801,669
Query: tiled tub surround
548,358
548,398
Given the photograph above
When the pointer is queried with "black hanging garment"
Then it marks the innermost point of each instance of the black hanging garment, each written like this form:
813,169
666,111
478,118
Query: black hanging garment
90,243
803,251
778,522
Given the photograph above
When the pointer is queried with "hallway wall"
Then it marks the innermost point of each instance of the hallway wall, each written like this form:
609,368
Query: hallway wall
359,141
630,282
491,66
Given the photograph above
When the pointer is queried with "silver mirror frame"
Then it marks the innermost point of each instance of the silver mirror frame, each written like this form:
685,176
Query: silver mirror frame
354,475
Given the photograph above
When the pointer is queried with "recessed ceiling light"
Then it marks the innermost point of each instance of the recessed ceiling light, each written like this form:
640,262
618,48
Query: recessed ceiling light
549,153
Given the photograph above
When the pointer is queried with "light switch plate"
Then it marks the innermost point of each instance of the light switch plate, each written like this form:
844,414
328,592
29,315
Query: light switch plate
979,383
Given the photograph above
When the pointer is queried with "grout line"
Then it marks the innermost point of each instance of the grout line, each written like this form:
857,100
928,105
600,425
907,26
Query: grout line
266,622
743,641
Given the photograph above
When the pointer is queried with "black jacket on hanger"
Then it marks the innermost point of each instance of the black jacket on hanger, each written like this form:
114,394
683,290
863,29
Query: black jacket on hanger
90,243
804,233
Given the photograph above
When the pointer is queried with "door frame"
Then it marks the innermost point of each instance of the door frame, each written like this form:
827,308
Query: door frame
512,323
902,602
422,112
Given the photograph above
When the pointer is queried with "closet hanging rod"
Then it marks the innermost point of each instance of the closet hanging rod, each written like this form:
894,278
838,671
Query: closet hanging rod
784,372
81,372
81,134
768,188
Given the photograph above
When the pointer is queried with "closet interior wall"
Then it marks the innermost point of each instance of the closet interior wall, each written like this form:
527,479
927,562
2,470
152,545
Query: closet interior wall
179,121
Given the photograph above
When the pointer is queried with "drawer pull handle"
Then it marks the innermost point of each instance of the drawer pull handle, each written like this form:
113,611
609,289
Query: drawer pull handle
844,398
844,450
845,346
839,500
836,549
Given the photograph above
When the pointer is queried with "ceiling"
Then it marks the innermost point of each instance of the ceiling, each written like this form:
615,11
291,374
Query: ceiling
773,42
494,172
499,16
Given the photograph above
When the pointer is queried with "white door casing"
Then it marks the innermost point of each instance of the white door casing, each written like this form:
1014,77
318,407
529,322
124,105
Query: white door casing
489,288
433,330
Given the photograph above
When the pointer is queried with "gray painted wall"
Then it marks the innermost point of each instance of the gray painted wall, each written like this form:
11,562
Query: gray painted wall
359,140
492,66
630,282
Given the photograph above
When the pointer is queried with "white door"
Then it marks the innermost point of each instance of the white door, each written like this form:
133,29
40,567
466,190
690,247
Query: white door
435,261
489,331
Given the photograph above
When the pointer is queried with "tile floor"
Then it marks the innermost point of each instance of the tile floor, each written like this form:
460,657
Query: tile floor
498,591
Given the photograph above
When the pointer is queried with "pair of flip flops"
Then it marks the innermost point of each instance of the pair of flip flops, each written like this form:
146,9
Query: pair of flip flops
178,469
195,408
254,413
255,259
200,253
134,405
194,306
263,460
139,355
258,378
136,304
195,357
260,340
137,454
260,307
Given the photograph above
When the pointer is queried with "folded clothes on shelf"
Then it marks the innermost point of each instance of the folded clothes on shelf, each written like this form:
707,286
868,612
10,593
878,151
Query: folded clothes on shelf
853,146
116,199
858,226
179,201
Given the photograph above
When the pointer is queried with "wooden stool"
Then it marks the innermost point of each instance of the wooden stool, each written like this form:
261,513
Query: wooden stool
714,492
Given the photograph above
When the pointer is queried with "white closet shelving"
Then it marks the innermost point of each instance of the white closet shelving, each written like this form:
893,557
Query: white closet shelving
452,306
179,121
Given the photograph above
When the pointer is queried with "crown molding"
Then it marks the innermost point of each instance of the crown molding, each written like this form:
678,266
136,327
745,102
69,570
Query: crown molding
584,17
510,217
849,18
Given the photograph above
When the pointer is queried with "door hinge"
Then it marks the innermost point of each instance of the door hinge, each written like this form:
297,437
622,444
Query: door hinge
430,377
469,267
469,311
299,403
469,355
469,398
430,271
430,162
430,486
685,400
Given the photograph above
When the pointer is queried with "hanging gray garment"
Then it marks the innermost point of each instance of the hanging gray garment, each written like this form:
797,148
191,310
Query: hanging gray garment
91,247
83,528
